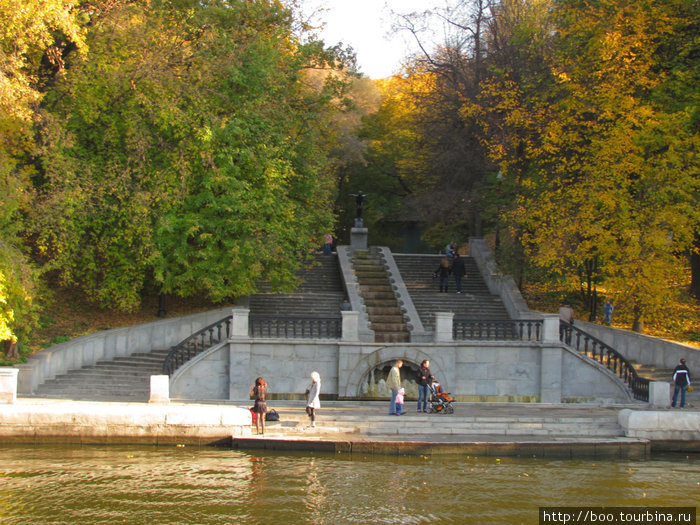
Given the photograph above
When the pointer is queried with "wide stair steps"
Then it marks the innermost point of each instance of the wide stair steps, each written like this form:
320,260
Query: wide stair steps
128,378
383,310
467,420
320,292
475,301
122,379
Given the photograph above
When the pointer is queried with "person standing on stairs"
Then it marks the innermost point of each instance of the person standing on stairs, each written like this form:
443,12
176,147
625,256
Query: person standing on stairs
443,273
312,400
328,244
681,378
394,383
459,271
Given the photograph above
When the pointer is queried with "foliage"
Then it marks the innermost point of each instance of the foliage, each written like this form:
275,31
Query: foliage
34,34
183,152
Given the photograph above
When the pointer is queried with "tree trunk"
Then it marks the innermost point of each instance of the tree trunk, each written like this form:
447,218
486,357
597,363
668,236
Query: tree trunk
11,349
638,323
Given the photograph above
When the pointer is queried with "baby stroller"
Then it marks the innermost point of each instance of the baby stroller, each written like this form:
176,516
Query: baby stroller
440,401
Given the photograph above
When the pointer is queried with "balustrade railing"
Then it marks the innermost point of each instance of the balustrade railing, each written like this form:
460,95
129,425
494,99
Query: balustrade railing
606,355
497,329
296,327
196,344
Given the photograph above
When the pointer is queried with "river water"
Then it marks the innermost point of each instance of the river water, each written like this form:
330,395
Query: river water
171,485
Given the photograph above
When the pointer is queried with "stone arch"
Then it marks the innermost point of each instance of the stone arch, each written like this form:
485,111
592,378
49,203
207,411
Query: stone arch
387,355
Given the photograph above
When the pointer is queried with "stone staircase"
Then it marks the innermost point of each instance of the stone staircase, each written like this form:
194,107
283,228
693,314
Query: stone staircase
483,419
128,378
383,310
320,292
122,379
476,302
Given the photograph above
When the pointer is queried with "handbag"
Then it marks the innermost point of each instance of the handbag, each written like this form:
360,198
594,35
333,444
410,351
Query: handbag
272,415
690,388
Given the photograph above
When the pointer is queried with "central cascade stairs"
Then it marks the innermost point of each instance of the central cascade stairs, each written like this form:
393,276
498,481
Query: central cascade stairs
385,315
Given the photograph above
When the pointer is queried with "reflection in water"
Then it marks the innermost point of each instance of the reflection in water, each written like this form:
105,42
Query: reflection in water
143,485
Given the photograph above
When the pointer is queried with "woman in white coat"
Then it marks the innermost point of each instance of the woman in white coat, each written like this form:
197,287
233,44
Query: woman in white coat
312,400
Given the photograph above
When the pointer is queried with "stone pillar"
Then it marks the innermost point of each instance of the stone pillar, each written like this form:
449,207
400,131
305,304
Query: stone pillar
8,385
358,238
26,380
659,394
351,326
240,375
443,326
239,327
550,330
550,375
160,389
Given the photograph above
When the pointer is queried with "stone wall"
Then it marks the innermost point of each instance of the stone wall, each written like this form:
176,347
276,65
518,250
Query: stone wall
471,371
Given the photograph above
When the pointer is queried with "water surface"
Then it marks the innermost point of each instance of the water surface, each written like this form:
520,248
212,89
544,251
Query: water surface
168,485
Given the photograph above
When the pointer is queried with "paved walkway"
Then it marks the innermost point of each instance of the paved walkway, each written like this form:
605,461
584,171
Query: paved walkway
494,429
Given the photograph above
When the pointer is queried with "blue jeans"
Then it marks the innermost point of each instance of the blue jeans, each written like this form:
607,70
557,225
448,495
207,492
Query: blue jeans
392,405
458,282
423,395
399,408
675,395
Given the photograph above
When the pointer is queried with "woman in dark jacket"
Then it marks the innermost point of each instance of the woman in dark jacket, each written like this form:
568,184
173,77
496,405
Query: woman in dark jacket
424,378
443,273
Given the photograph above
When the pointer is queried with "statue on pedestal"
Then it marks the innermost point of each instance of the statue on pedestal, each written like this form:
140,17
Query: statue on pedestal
359,198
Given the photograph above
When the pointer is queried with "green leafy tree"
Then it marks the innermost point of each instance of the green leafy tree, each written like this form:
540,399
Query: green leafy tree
183,153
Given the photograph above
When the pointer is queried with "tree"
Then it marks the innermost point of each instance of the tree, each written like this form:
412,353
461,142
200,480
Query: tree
34,37
183,153
609,174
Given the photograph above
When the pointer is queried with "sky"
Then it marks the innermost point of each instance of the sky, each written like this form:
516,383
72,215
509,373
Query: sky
366,26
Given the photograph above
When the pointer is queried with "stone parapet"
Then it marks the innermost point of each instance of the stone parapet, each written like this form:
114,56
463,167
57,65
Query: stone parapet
499,283
8,385
84,422
418,333
661,425
643,348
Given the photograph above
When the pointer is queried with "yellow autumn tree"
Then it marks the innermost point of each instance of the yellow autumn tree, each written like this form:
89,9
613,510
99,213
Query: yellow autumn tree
605,172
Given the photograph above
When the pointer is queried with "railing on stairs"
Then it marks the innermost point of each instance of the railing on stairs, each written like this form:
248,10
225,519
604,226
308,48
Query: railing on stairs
196,344
296,327
596,349
497,329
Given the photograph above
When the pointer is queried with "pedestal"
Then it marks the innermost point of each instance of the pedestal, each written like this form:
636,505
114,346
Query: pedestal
659,394
160,389
358,238
8,385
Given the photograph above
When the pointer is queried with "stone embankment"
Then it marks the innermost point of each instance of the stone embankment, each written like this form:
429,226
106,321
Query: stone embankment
495,429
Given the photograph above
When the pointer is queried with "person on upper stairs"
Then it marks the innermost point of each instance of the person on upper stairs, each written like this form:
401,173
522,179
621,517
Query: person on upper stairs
681,378
443,273
459,271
